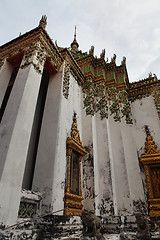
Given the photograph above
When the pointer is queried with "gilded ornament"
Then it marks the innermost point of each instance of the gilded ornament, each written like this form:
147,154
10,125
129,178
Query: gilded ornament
151,162
73,202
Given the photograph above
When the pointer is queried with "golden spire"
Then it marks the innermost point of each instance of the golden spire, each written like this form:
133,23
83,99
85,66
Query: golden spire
74,44
75,133
150,146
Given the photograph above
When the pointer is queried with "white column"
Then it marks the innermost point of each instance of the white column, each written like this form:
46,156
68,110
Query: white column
121,194
133,169
102,171
50,169
5,74
96,169
15,131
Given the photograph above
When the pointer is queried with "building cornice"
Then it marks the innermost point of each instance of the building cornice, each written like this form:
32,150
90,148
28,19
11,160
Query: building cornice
20,43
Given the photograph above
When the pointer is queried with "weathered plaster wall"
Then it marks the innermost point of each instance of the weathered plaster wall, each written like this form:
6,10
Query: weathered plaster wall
15,133
88,179
87,163
102,170
50,169
144,113
132,168
5,74
121,194
67,109
117,149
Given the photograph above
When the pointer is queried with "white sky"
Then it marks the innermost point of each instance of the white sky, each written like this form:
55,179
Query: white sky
128,28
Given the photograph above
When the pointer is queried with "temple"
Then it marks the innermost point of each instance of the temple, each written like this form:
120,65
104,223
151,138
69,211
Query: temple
75,135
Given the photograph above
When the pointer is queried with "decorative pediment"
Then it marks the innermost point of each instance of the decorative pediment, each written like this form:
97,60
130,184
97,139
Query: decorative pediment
74,141
152,155
150,146
73,193
151,163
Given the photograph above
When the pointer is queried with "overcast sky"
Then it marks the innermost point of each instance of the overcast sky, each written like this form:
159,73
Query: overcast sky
128,28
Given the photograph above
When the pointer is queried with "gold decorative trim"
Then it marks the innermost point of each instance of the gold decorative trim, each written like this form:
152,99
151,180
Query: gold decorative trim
151,162
73,203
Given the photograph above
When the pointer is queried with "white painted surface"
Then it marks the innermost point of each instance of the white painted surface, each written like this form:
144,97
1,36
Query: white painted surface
116,146
121,194
15,133
103,183
144,113
5,74
132,163
50,170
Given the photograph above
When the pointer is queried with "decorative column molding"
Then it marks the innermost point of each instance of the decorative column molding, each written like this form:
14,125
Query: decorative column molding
37,50
66,78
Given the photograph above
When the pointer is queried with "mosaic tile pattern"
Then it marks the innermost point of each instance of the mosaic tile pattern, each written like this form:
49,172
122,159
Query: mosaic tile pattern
98,98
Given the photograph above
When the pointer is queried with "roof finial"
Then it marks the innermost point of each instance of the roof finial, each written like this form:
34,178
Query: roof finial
43,22
75,34
74,44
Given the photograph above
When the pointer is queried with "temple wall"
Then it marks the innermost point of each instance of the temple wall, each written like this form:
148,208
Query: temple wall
113,182
5,75
121,194
44,167
117,149
87,163
133,172
15,133
102,169
144,113
51,168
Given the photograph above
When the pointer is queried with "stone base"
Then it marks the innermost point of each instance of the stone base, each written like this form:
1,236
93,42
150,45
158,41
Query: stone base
69,227
119,224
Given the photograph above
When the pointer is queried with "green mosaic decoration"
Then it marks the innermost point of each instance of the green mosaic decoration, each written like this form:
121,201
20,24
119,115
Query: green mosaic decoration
27,210
101,100
34,50
114,103
89,100
125,106
66,79
98,98
156,97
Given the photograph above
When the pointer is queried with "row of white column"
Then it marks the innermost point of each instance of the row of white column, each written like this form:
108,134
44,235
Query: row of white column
118,181
15,133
